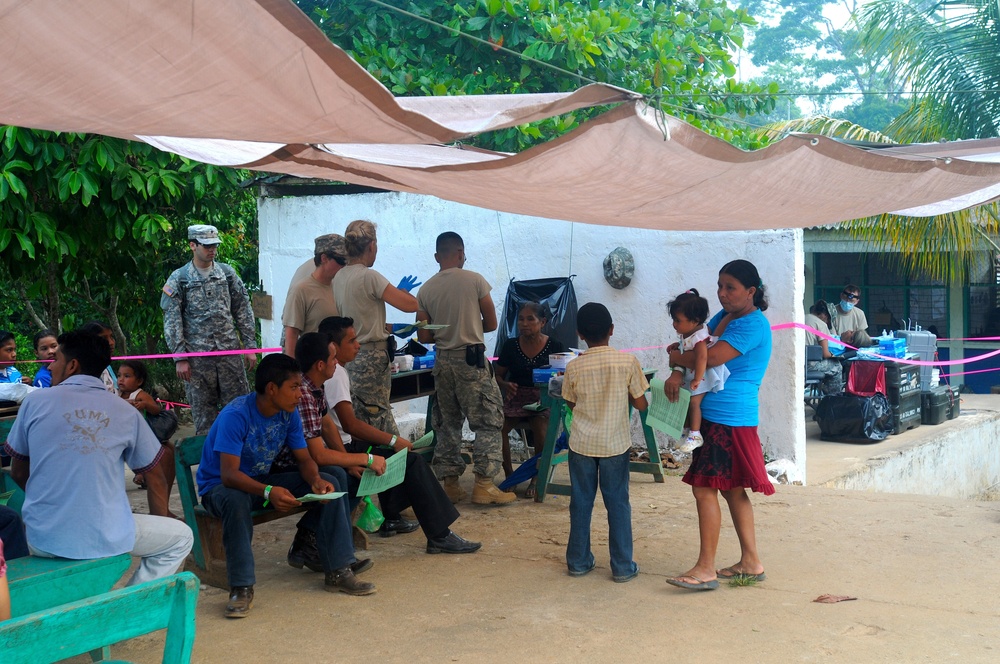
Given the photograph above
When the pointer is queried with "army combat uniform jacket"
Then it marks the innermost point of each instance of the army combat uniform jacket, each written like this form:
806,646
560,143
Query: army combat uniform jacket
205,313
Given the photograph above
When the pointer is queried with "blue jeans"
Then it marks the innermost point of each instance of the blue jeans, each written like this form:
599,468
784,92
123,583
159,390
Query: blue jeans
585,474
331,521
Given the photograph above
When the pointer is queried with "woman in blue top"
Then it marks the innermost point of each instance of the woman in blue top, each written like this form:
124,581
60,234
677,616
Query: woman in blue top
731,459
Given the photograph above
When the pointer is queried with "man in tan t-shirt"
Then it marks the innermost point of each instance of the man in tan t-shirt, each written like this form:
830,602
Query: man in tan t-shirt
310,300
464,383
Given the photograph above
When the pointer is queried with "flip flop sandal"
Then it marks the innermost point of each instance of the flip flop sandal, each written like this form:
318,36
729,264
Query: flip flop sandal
700,585
728,574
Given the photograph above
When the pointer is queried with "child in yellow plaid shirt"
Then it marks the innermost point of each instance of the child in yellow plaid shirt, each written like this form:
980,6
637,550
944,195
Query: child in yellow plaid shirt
598,387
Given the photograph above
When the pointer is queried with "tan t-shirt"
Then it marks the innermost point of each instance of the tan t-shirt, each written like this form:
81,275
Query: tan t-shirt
817,323
308,303
451,297
358,291
302,272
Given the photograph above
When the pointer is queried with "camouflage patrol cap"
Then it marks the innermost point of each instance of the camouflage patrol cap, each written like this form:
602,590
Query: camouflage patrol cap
204,234
331,244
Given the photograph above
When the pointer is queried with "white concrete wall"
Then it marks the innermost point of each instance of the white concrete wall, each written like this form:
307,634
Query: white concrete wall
503,247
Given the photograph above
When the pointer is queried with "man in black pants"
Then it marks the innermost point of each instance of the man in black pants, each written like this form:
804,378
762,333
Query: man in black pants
15,542
346,441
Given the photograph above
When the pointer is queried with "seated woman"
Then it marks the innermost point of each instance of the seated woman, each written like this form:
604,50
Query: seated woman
518,358
833,373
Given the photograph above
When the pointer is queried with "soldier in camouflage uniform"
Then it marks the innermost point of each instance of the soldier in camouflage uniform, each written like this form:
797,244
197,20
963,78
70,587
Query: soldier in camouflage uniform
204,305
361,293
465,386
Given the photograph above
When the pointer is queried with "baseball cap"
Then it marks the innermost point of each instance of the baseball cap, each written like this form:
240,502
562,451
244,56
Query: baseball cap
204,234
331,244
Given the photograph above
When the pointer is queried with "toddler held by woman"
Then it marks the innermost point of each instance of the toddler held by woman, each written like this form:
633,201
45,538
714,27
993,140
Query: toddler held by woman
689,312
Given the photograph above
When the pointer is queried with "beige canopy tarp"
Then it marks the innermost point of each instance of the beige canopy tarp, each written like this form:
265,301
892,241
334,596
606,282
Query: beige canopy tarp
254,83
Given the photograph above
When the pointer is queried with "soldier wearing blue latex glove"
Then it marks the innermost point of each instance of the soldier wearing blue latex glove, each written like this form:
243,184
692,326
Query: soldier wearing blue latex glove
408,283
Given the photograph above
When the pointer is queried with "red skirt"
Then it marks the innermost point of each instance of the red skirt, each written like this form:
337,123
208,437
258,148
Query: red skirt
732,457
513,406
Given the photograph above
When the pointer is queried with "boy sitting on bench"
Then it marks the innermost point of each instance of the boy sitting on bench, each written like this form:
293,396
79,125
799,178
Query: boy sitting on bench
235,478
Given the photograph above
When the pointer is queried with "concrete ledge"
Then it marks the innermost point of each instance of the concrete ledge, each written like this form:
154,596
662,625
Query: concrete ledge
958,459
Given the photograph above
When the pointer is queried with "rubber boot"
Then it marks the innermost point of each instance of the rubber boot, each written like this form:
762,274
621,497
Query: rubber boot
486,493
453,489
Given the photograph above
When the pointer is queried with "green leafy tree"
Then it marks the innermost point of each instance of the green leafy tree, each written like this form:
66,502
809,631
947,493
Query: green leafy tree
804,51
947,54
92,225
678,52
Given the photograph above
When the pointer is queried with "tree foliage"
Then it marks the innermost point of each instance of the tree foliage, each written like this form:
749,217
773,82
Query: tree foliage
947,52
680,52
803,50
92,225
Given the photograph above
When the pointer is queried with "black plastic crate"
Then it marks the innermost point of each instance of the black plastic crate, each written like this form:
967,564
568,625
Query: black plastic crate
906,415
938,405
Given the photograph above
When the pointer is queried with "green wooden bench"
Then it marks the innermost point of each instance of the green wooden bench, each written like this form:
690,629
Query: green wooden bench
560,417
88,625
40,583
208,554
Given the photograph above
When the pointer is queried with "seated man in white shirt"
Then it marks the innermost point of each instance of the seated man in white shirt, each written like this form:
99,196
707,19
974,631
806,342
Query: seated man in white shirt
69,446
420,488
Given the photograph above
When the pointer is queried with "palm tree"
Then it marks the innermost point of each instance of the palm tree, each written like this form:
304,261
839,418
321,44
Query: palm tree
947,52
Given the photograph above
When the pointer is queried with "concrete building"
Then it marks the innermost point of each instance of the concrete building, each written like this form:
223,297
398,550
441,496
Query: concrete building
892,298
505,247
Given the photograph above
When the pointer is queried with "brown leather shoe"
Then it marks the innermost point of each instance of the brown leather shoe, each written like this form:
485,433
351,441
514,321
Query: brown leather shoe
240,602
343,580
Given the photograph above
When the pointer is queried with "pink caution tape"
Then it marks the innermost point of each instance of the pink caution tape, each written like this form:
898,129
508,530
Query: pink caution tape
920,363
174,356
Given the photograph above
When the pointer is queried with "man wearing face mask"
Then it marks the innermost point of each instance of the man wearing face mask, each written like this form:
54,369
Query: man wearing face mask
849,321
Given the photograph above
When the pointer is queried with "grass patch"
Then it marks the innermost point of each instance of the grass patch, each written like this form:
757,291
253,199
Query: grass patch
740,581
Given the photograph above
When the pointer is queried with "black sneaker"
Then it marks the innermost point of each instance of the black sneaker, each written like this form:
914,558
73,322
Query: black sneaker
363,565
343,580
304,551
240,602
390,527
452,543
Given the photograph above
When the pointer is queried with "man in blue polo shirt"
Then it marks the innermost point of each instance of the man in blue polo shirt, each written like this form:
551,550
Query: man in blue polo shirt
235,478
68,446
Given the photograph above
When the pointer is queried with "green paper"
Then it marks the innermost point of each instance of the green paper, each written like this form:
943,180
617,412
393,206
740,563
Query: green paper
665,416
419,325
4,497
313,497
395,470
425,440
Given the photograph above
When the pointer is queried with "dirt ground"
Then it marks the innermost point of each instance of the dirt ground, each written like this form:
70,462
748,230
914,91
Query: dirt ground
922,568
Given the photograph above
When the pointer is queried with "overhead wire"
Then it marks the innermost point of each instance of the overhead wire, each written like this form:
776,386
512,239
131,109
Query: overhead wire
656,101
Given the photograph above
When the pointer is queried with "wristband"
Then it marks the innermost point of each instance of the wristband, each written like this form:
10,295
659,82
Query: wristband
681,369
370,459
267,494
392,442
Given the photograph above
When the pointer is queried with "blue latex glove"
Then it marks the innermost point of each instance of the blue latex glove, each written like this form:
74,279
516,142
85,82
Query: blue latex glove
397,327
408,283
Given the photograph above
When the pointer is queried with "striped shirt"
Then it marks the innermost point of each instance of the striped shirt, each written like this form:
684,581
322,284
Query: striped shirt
599,383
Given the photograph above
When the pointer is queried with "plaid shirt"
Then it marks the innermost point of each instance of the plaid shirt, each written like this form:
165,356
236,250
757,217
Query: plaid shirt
312,408
599,383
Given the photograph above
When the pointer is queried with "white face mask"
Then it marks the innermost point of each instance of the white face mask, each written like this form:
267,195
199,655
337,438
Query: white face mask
846,306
